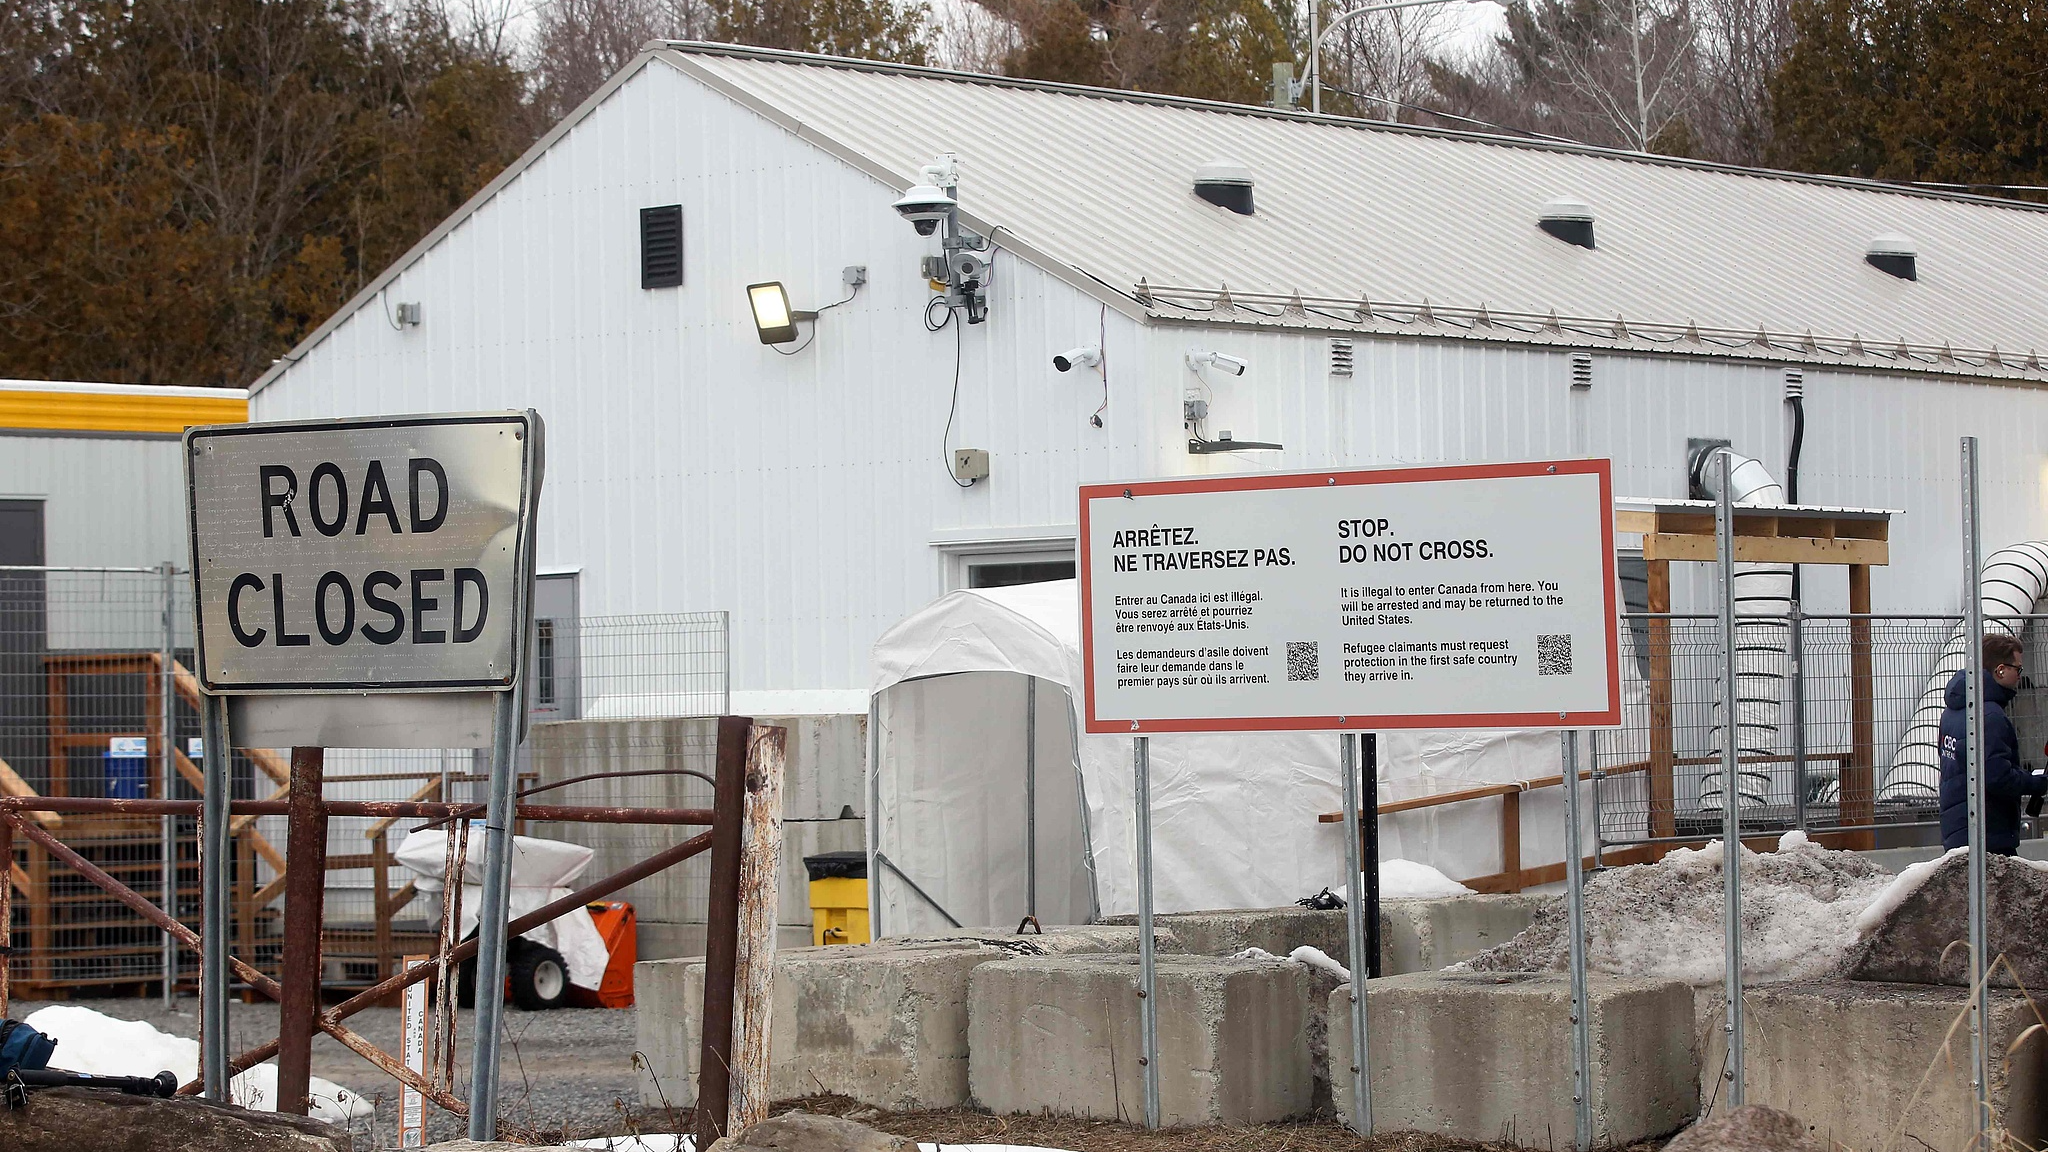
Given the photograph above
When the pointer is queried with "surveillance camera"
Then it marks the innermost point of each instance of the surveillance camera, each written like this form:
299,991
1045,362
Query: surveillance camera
1086,356
1219,360
925,206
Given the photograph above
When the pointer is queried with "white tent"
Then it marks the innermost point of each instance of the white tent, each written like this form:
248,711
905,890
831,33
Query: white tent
1234,817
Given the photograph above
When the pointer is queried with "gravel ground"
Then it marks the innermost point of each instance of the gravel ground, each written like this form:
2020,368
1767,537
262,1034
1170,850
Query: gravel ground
570,1069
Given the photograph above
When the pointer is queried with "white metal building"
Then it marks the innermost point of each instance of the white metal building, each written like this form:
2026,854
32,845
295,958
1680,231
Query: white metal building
1392,294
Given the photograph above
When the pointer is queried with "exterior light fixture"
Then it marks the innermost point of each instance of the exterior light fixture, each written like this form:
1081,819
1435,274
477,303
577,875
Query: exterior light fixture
773,317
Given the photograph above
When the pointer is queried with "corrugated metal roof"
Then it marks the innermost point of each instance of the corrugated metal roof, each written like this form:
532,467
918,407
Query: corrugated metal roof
1691,255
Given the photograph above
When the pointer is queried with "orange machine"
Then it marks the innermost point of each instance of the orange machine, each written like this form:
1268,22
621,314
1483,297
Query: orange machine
619,926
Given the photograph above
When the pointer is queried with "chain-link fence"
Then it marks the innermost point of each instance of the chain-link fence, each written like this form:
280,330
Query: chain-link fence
97,700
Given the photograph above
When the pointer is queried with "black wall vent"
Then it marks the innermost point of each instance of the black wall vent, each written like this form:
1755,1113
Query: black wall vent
1226,186
1893,255
661,246
1342,357
1569,220
1582,370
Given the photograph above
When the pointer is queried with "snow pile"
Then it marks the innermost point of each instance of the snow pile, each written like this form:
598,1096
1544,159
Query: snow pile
89,1041
1800,908
664,1142
1908,881
1408,880
1311,957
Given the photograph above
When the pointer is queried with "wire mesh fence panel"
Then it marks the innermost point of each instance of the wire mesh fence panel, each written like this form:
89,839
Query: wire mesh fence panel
87,710
629,667
1830,722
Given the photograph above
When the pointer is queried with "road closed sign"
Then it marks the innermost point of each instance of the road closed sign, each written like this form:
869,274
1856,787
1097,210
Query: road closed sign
1478,596
391,554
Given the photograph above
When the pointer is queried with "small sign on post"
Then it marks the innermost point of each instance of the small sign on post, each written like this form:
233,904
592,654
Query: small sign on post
412,1107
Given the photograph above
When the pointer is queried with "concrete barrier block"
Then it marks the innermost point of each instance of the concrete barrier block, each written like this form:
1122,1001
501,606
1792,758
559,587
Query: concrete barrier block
1484,1056
1429,935
1277,930
1849,1058
883,1023
1063,940
1060,1035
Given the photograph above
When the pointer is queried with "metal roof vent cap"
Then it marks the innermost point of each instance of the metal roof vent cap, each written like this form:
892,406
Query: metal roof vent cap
1225,185
1569,220
1893,255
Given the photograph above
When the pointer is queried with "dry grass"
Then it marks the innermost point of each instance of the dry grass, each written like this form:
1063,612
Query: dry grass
960,1126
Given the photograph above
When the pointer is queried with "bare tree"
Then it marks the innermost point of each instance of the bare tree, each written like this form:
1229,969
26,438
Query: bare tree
579,44
1741,45
1382,60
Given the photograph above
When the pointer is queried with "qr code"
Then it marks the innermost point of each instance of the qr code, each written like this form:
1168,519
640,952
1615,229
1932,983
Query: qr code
1304,661
1554,654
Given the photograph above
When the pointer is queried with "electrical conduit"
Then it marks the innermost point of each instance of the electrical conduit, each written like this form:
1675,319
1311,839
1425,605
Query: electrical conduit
1763,600
2011,583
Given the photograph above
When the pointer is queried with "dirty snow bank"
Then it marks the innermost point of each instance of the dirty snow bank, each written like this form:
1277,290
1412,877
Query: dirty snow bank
1408,880
89,1041
1800,910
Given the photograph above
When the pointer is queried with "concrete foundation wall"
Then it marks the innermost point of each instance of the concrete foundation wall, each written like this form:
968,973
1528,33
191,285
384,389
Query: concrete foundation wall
822,781
1488,1057
1849,1058
1430,935
1061,1035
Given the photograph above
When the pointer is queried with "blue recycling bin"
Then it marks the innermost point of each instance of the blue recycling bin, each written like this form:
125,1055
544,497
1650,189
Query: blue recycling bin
127,775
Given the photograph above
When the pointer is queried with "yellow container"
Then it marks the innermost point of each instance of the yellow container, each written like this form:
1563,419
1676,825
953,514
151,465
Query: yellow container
839,911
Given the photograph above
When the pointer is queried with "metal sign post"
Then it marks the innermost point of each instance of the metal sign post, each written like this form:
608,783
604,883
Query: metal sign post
216,843
1973,663
1354,927
1731,815
1575,921
1148,963
360,584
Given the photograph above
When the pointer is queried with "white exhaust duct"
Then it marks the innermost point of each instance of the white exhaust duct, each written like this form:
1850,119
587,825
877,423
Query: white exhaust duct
1763,600
2012,582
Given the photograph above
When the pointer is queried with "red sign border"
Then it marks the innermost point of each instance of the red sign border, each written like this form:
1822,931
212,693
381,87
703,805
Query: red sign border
1271,481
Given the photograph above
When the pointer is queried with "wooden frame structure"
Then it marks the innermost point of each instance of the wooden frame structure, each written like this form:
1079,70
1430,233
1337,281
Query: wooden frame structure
1683,530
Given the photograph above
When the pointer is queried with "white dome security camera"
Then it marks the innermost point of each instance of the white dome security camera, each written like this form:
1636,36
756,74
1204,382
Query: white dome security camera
1222,361
925,206
1086,356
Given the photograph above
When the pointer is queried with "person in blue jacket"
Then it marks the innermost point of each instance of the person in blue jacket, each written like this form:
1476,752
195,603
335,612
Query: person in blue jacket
2005,782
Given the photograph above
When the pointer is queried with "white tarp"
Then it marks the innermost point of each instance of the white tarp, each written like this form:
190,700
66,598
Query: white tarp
1233,816
541,873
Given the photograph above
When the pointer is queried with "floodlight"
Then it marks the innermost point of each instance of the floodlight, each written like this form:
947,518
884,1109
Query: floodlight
773,317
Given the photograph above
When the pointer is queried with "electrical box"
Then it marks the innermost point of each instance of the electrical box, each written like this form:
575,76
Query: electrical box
970,464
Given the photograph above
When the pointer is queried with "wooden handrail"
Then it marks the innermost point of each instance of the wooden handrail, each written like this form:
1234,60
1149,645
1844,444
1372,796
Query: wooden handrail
11,784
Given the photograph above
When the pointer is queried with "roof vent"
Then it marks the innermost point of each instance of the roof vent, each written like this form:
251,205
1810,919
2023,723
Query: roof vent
1226,186
1893,255
1569,220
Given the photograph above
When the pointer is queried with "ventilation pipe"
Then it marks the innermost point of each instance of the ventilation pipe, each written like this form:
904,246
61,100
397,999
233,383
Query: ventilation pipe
1763,598
2012,581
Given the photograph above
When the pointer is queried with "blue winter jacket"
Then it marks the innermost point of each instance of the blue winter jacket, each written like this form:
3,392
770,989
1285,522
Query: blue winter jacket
2004,780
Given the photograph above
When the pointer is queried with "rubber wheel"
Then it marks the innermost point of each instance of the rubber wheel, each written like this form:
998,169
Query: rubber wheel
540,977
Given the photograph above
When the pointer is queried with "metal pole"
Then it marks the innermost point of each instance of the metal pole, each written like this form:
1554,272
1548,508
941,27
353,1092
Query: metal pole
493,909
167,735
1369,770
1731,816
722,930
874,821
1575,916
1031,797
1973,663
1799,787
1148,973
1354,925
216,846
1315,56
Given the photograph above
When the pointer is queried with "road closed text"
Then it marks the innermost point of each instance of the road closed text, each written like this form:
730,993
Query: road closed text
361,555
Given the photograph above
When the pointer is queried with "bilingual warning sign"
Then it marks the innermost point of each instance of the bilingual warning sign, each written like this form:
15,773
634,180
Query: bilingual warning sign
390,554
1472,596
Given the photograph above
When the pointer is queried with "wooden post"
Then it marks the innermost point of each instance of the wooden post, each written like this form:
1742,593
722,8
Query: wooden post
1663,790
1859,789
754,980
6,904
304,893
1511,839
722,928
